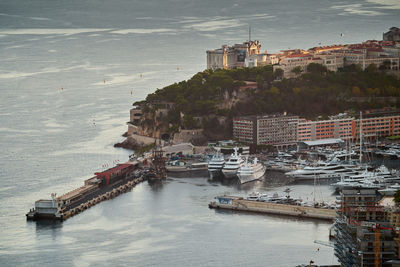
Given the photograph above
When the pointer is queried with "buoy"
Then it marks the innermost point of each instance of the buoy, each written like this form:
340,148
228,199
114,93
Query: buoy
104,81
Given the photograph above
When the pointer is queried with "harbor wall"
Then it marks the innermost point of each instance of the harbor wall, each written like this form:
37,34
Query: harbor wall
107,194
280,209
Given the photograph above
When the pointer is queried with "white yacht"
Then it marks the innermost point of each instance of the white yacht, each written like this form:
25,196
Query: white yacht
216,164
379,178
233,164
251,171
390,190
331,170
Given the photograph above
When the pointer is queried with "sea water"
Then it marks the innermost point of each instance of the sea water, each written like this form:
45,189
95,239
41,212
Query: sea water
69,73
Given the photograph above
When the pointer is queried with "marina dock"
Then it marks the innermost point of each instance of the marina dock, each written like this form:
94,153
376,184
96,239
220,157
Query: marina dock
240,204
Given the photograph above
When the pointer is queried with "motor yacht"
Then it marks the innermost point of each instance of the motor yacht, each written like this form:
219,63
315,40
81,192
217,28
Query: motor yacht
325,170
251,171
216,164
233,164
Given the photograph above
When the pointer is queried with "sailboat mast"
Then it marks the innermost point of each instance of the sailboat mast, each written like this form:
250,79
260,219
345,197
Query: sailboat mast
360,136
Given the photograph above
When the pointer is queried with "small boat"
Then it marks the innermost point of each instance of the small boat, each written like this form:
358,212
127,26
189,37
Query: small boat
251,171
182,169
253,196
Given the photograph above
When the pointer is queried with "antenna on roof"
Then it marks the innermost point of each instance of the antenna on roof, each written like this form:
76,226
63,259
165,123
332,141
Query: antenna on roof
249,34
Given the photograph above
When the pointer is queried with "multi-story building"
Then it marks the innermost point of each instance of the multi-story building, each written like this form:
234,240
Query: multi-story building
369,53
364,233
244,129
257,60
375,125
384,53
331,62
228,57
289,62
286,130
325,129
392,35
279,130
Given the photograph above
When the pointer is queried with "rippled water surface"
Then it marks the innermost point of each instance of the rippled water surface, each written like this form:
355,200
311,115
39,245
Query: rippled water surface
69,72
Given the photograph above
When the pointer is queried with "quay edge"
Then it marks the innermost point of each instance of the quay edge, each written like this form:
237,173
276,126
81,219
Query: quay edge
240,204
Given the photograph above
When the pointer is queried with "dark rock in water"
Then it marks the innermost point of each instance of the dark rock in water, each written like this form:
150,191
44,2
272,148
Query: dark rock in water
128,143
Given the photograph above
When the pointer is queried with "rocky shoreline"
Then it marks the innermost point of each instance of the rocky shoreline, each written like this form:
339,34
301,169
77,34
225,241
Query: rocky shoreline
129,143
135,141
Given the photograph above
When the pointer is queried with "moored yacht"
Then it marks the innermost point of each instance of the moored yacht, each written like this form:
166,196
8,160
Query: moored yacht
233,164
379,176
332,170
390,190
216,164
251,171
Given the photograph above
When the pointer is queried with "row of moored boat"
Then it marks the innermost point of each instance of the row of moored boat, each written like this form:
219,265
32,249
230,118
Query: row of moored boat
236,166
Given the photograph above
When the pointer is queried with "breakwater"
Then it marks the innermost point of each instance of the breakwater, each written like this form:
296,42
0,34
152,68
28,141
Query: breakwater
106,196
104,185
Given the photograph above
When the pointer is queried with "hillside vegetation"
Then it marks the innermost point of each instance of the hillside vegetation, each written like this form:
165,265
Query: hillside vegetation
199,101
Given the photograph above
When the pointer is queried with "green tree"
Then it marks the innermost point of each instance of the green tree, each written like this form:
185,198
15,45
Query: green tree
385,65
373,91
372,68
189,122
316,68
275,90
260,81
296,90
297,70
356,91
397,197
278,73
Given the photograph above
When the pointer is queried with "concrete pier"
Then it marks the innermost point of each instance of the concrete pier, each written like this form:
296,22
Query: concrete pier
240,204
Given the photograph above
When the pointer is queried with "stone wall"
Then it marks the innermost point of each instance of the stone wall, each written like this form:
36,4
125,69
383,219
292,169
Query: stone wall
185,136
140,139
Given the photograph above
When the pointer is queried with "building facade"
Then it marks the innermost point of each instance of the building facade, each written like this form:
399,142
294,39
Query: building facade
266,130
383,54
228,57
286,130
244,129
392,35
376,126
364,234
325,129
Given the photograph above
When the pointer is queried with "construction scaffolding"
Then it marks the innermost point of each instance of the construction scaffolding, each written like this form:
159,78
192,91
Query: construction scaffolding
364,232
